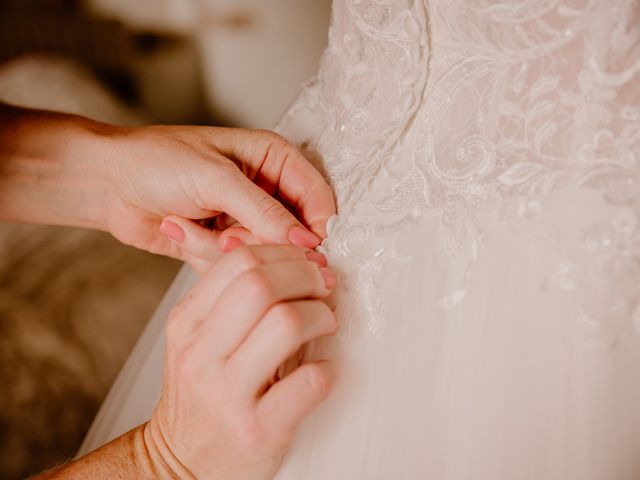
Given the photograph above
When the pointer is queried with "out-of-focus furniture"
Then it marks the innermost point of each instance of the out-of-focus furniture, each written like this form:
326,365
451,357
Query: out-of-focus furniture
254,55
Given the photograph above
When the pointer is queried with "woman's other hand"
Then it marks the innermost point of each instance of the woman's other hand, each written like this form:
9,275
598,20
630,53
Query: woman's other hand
223,412
199,173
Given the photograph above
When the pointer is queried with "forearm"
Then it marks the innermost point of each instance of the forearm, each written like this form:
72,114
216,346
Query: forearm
133,455
51,168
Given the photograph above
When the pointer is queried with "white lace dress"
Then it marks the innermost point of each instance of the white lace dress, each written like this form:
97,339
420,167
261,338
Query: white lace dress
486,160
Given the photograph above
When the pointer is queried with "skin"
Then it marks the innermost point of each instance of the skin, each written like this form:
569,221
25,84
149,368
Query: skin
222,413
68,170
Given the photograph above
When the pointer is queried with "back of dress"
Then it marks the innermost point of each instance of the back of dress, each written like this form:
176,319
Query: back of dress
486,161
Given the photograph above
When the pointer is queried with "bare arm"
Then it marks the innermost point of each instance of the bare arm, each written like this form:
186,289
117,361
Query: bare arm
68,170
126,457
49,169
222,414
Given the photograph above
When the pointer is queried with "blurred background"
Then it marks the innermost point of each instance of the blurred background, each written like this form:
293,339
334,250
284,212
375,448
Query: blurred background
73,302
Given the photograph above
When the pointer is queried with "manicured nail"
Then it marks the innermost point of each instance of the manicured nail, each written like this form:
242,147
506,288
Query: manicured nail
230,243
317,257
329,277
303,238
172,231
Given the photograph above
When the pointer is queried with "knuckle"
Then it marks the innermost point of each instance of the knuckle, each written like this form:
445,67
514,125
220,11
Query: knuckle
303,269
317,381
257,285
226,166
287,320
244,258
249,434
308,277
271,209
225,172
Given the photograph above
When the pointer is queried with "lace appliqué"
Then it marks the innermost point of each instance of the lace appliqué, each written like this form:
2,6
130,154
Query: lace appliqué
465,110
609,270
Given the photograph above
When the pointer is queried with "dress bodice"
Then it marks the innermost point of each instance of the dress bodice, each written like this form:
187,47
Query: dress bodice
471,112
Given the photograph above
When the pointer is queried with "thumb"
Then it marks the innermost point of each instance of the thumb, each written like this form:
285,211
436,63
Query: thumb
198,245
264,216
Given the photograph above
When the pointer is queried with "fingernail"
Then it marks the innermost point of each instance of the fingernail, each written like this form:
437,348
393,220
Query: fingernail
329,277
172,231
318,258
303,238
230,243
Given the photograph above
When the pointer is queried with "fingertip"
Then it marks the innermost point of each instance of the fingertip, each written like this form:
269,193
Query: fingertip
319,228
329,277
302,237
317,258
170,229
230,243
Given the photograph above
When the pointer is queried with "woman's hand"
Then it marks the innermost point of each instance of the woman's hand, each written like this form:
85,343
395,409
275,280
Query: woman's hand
67,170
200,172
203,246
222,414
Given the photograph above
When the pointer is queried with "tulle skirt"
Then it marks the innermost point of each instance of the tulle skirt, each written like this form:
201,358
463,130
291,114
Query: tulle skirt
533,373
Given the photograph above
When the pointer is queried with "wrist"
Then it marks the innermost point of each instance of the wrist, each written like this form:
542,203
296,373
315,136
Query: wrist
53,168
88,171
155,456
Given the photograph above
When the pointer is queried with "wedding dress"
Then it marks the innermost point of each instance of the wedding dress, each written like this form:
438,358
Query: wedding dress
486,161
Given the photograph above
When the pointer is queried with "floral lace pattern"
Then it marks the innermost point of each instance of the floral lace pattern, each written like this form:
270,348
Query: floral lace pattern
475,110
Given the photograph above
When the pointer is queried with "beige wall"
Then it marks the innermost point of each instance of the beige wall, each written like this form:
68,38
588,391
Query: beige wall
253,55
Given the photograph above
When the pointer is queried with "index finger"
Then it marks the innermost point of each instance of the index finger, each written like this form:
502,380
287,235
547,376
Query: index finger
279,167
203,294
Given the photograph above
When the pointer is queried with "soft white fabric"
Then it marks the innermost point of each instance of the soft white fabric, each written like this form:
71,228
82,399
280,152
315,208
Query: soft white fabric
486,161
